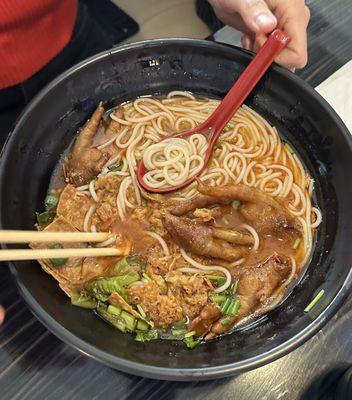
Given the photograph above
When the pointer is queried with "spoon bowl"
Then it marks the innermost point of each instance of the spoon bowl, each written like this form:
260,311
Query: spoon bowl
216,122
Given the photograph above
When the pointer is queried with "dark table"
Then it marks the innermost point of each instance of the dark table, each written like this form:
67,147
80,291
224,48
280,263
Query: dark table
34,364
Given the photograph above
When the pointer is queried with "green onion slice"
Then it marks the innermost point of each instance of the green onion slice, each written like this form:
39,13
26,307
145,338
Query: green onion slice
57,262
289,148
233,308
314,301
51,200
141,311
114,168
225,221
236,204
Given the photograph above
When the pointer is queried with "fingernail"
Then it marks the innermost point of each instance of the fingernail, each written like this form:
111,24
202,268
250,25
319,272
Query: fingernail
263,20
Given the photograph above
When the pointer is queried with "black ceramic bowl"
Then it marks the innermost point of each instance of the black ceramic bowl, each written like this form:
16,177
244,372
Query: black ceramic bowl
48,125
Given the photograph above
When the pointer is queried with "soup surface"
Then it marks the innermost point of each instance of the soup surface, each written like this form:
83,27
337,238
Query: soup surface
198,261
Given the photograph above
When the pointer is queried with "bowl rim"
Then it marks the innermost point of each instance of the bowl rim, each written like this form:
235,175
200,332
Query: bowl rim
145,370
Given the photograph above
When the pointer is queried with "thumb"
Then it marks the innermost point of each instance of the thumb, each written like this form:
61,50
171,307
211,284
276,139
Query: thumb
255,14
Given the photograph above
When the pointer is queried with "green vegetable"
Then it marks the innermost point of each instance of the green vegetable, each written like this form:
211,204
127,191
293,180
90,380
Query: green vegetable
233,288
114,310
142,325
233,308
225,322
143,336
141,310
190,342
114,320
129,319
314,301
152,229
84,301
218,298
45,218
146,276
220,280
137,260
236,204
116,167
225,221
125,273
101,289
51,200
189,334
57,262
289,148
178,334
296,243
225,306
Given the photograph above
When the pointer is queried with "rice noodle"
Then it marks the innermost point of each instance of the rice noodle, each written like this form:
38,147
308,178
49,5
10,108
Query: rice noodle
88,217
93,192
107,242
172,161
202,267
161,241
254,233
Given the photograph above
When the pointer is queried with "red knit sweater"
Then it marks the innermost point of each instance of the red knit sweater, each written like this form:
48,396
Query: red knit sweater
32,32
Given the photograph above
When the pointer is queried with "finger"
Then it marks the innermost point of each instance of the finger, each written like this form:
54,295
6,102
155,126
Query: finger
2,315
246,42
294,23
255,14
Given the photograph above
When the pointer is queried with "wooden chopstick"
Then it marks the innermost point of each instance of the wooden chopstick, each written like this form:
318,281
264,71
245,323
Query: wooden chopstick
9,236
38,254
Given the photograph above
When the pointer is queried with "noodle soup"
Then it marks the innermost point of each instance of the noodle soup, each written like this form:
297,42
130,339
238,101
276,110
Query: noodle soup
198,261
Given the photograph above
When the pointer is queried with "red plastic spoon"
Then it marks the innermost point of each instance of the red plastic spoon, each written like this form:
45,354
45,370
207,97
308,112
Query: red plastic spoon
228,106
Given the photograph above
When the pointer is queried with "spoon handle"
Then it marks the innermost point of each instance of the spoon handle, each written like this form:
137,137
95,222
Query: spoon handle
246,82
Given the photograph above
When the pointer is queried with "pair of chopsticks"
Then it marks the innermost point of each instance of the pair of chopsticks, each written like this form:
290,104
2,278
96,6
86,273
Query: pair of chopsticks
8,236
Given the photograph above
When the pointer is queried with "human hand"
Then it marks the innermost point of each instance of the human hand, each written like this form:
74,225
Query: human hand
257,18
2,315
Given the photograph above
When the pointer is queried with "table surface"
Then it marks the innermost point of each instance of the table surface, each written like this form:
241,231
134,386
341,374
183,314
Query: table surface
34,364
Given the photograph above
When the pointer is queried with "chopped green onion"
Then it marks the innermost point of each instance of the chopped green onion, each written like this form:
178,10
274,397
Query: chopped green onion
190,342
296,243
51,200
233,308
114,168
129,319
115,320
189,334
141,311
289,148
314,301
136,260
152,229
114,310
57,262
225,322
220,280
233,287
143,336
178,333
84,301
219,298
236,204
225,306
146,276
142,325
45,218
225,221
